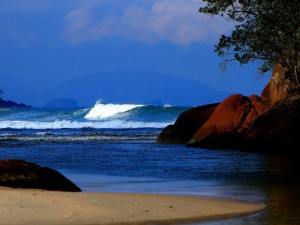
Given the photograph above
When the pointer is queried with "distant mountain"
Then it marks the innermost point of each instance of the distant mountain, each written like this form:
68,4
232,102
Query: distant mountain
135,86
62,103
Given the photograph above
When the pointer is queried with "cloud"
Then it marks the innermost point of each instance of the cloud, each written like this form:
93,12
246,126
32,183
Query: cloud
174,21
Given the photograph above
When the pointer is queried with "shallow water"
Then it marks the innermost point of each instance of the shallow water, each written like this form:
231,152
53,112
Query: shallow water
119,154
145,167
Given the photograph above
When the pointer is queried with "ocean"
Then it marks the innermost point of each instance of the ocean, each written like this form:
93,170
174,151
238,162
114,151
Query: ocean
111,148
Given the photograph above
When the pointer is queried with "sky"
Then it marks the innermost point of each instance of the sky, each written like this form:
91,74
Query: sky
46,43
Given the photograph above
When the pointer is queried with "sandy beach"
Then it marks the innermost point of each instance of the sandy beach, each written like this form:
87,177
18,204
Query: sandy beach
19,206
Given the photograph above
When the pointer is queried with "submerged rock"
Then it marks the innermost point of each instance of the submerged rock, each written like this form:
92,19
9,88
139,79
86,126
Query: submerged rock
21,174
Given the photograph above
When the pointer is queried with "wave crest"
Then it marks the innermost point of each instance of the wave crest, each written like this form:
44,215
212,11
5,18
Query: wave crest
104,111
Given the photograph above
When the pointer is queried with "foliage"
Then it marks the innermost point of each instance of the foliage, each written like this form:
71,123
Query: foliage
266,31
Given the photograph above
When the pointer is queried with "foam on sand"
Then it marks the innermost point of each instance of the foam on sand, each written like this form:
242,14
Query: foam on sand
45,207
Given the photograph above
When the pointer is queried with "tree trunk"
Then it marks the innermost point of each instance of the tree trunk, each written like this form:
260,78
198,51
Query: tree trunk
280,85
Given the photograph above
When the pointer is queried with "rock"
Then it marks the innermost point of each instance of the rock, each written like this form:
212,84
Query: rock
278,127
11,104
186,125
155,102
21,174
248,124
229,121
266,123
265,94
173,135
279,87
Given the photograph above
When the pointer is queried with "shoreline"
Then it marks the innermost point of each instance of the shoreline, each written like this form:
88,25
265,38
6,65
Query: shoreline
32,206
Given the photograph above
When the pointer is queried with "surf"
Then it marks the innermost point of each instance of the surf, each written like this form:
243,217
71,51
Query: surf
103,111
99,116
65,124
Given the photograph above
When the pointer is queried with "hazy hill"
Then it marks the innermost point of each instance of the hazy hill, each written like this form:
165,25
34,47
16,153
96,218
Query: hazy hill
135,86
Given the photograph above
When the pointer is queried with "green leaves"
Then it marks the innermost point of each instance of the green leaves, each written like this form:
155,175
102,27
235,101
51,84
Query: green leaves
266,31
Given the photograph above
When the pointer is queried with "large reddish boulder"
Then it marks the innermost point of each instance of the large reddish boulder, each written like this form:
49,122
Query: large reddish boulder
229,121
21,174
268,122
186,125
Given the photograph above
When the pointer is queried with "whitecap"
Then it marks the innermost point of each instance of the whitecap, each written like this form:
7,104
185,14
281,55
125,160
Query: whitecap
65,124
102,111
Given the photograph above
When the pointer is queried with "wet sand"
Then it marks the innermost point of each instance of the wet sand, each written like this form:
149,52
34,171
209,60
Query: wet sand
19,206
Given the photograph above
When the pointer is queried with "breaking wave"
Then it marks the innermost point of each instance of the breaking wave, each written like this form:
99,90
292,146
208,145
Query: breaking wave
100,116
101,111
65,124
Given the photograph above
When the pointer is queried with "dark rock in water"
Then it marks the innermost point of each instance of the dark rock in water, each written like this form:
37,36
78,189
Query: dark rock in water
278,127
155,102
268,123
186,125
21,174
229,122
247,123
11,104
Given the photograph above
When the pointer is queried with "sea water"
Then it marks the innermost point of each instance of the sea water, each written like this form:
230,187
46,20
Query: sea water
111,148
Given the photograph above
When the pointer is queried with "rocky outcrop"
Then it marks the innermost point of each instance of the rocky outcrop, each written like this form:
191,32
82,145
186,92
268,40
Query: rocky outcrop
278,127
279,86
186,125
258,123
21,174
11,104
228,123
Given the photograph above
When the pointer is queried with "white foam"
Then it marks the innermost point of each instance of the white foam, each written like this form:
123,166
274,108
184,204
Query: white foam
65,124
101,111
66,138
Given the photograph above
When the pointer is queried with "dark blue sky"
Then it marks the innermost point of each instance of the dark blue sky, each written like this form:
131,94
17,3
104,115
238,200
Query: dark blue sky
47,43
